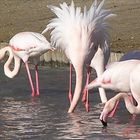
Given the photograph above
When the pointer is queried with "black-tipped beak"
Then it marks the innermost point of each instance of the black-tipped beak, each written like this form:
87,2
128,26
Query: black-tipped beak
104,123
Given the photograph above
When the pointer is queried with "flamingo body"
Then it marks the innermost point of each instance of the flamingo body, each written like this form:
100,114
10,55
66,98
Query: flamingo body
79,35
29,44
123,78
23,46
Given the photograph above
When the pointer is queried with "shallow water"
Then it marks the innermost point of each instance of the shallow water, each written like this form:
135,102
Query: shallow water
46,118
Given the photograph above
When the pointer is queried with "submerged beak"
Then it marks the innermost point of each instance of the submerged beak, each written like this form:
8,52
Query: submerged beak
103,123
103,119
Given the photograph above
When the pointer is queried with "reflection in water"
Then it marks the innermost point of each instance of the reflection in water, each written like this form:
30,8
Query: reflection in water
45,117
132,128
80,125
124,125
19,118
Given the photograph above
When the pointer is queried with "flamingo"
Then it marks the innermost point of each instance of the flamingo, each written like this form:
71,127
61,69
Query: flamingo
135,54
23,46
81,35
121,77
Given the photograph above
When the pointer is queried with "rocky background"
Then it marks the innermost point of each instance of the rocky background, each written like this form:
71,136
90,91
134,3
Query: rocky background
33,15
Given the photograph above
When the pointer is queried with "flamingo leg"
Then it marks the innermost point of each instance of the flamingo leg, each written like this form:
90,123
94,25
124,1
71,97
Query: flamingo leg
37,80
70,84
30,78
85,97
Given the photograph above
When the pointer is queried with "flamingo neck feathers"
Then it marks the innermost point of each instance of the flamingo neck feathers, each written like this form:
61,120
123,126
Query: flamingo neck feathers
95,19
8,72
129,105
89,25
65,25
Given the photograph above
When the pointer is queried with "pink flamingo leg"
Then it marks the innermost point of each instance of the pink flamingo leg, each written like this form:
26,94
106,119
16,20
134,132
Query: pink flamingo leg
70,84
37,80
30,78
85,92
112,113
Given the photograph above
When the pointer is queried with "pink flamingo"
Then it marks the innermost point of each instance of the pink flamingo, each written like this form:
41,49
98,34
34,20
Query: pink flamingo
122,77
81,35
23,46
129,55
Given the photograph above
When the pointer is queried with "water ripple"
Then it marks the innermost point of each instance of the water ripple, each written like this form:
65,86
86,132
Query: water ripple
46,118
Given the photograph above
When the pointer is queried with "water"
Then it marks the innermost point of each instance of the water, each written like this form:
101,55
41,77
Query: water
46,118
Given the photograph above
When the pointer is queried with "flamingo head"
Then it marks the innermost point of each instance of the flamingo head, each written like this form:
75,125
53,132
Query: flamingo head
108,111
103,117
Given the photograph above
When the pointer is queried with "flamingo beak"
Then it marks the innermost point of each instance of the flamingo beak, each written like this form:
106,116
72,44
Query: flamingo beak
104,123
103,118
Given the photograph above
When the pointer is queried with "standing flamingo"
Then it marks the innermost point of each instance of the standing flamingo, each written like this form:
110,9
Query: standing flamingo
81,35
122,77
128,56
23,46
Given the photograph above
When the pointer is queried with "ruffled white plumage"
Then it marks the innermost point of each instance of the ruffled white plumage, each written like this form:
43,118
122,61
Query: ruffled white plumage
85,24
81,35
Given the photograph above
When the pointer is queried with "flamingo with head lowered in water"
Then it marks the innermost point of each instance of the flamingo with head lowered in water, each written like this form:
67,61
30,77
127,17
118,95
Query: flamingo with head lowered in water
83,37
122,77
23,46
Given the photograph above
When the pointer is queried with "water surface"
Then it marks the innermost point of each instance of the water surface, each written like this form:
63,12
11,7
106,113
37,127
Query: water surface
46,118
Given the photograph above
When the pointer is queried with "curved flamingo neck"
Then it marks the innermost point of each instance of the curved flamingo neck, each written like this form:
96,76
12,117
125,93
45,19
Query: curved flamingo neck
78,88
8,72
129,105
